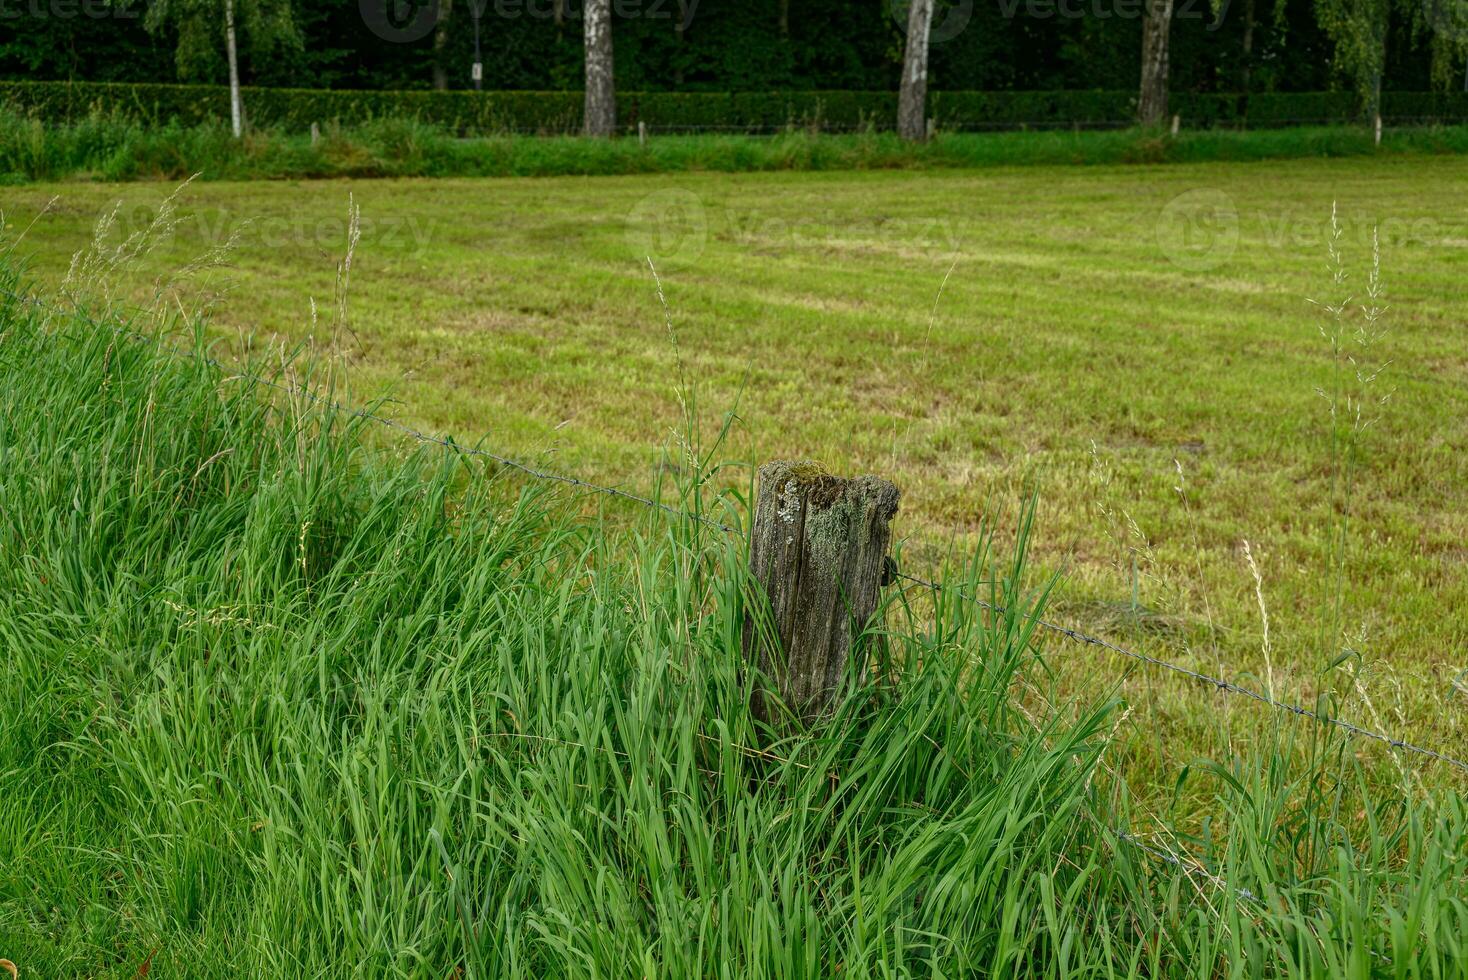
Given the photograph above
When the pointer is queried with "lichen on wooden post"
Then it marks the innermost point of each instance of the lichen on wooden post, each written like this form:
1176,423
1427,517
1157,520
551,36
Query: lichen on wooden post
818,555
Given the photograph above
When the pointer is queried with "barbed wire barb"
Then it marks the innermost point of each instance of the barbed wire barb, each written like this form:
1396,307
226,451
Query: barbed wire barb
1216,682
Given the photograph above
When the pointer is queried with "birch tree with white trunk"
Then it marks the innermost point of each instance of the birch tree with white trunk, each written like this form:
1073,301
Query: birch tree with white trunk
267,26
233,56
1156,40
912,97
600,115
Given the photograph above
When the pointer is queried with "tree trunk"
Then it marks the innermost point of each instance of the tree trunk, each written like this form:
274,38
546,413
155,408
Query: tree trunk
680,28
1376,108
234,69
912,100
601,96
1156,32
1248,65
440,46
818,554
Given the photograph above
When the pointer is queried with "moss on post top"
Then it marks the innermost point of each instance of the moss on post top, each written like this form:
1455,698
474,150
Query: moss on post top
809,483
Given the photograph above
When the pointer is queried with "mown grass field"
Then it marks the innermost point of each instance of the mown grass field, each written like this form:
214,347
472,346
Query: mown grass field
279,702
1099,328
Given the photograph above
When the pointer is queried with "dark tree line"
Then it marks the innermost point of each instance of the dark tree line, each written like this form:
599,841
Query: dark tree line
1214,45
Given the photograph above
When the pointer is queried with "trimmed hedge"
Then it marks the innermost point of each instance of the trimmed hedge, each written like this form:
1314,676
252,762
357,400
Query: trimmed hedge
1017,110
560,112
757,111
1276,109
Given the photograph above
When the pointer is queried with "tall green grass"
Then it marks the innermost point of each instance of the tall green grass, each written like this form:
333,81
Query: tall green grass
104,148
280,702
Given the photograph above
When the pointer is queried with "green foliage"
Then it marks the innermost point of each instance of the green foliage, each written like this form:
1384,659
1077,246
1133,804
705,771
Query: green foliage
1359,30
276,698
1445,25
725,45
262,28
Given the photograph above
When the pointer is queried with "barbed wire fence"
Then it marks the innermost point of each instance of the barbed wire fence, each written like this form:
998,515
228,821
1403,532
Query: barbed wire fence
1216,682
953,124
1189,865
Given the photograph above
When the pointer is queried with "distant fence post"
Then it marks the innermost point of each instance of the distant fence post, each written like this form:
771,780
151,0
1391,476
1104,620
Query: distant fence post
819,553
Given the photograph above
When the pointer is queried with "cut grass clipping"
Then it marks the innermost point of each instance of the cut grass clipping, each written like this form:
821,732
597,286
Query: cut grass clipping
276,701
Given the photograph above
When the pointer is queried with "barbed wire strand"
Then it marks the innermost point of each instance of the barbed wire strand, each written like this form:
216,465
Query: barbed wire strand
817,124
1217,682
1192,869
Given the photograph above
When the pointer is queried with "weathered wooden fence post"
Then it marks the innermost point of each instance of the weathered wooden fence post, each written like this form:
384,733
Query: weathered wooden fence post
819,552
